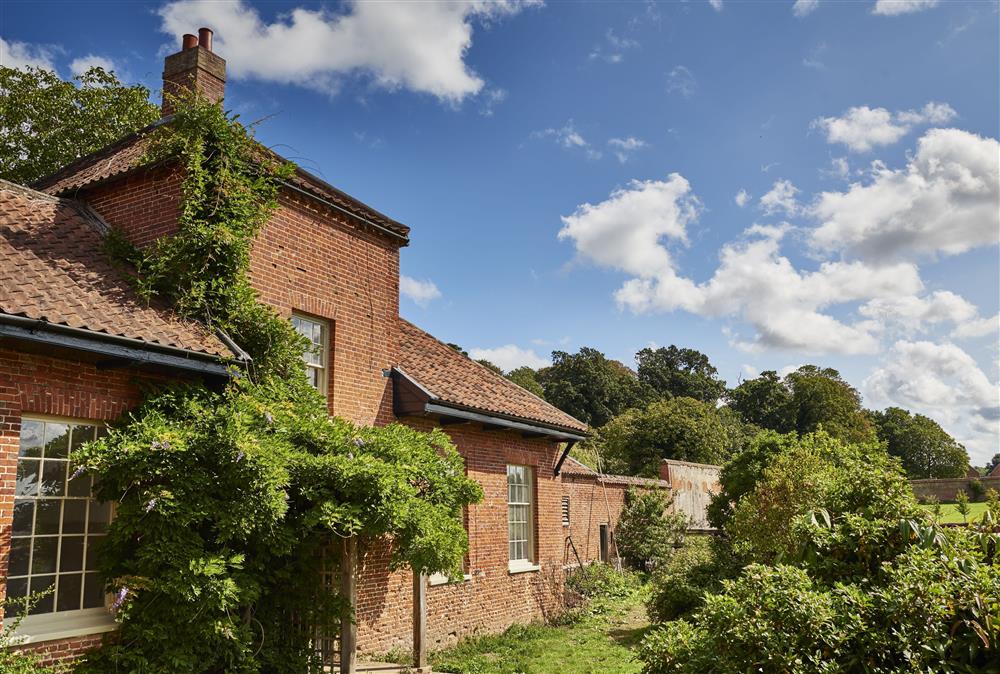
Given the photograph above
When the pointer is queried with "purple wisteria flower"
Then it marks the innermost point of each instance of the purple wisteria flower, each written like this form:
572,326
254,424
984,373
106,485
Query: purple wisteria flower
239,457
156,444
120,599
270,419
358,442
77,473
151,505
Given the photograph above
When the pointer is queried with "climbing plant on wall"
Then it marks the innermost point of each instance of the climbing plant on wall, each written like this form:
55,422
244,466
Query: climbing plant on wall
226,498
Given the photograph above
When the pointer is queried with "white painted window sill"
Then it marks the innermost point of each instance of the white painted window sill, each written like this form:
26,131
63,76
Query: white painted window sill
522,567
436,579
52,626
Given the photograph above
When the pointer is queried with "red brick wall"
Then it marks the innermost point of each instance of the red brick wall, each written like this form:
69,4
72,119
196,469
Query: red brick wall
493,599
309,259
590,506
34,384
144,206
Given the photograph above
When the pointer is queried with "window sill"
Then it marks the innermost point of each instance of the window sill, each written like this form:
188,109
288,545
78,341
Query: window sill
437,579
522,567
50,627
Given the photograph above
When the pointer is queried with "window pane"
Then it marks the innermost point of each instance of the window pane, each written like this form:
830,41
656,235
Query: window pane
70,587
54,478
56,440
32,433
81,435
47,515
40,584
93,591
93,549
17,588
28,474
100,515
43,558
20,553
24,514
74,516
71,554
80,485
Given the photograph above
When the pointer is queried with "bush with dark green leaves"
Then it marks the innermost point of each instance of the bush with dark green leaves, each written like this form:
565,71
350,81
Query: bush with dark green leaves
647,530
680,584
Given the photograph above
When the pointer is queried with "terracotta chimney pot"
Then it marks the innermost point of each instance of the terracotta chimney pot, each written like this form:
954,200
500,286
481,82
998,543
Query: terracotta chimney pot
205,38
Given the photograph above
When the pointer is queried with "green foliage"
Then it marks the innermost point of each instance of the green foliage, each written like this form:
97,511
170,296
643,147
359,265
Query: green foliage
740,474
678,428
226,499
490,366
47,123
925,449
12,659
677,372
962,504
977,489
590,387
600,580
680,583
804,401
817,472
527,379
647,531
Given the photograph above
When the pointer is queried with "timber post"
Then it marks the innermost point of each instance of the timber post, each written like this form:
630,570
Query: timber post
419,622
349,591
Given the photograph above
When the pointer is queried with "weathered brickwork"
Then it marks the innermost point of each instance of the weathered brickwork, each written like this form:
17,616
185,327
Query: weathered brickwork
591,504
42,385
492,598
144,205
944,489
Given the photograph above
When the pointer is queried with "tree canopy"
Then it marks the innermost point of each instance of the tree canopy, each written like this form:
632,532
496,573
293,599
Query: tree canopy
47,123
674,372
590,386
925,449
526,378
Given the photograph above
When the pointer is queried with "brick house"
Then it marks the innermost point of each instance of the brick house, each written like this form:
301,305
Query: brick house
77,346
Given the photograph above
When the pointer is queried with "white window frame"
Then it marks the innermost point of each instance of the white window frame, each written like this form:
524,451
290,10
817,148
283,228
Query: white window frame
62,624
528,562
321,348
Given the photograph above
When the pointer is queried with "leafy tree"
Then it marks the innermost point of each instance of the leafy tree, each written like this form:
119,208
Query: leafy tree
527,379
804,401
490,366
925,449
679,428
47,123
458,348
590,387
675,372
739,475
994,462
764,401
647,531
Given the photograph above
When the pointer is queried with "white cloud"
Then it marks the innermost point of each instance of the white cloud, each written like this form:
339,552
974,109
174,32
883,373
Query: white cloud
421,292
742,198
862,128
16,54
815,57
490,99
978,327
419,46
781,198
944,201
897,7
614,47
914,314
754,281
716,5
839,168
625,230
624,147
510,357
85,63
804,7
943,382
682,81
568,137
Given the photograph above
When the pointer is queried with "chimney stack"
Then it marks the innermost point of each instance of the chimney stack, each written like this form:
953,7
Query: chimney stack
195,68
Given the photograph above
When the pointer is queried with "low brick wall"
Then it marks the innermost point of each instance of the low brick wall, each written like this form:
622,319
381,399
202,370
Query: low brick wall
945,489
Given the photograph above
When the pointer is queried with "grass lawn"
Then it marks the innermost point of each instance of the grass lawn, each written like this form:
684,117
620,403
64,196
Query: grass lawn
601,638
950,514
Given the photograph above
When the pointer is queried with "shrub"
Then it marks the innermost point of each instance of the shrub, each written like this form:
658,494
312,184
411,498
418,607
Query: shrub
602,581
679,585
977,489
12,659
647,532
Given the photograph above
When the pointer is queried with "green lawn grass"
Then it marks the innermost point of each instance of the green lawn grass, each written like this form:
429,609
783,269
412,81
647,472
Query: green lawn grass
602,638
950,514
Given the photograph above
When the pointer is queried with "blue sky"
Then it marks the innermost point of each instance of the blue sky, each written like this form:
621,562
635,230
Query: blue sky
571,172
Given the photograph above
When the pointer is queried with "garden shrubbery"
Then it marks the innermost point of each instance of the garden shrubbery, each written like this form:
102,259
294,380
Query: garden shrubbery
844,573
602,581
647,531
679,585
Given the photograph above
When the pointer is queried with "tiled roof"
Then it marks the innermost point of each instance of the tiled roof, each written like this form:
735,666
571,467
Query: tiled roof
454,379
574,468
53,268
126,155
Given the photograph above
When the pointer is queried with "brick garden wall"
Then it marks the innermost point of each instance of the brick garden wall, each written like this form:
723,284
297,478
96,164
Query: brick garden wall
945,489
